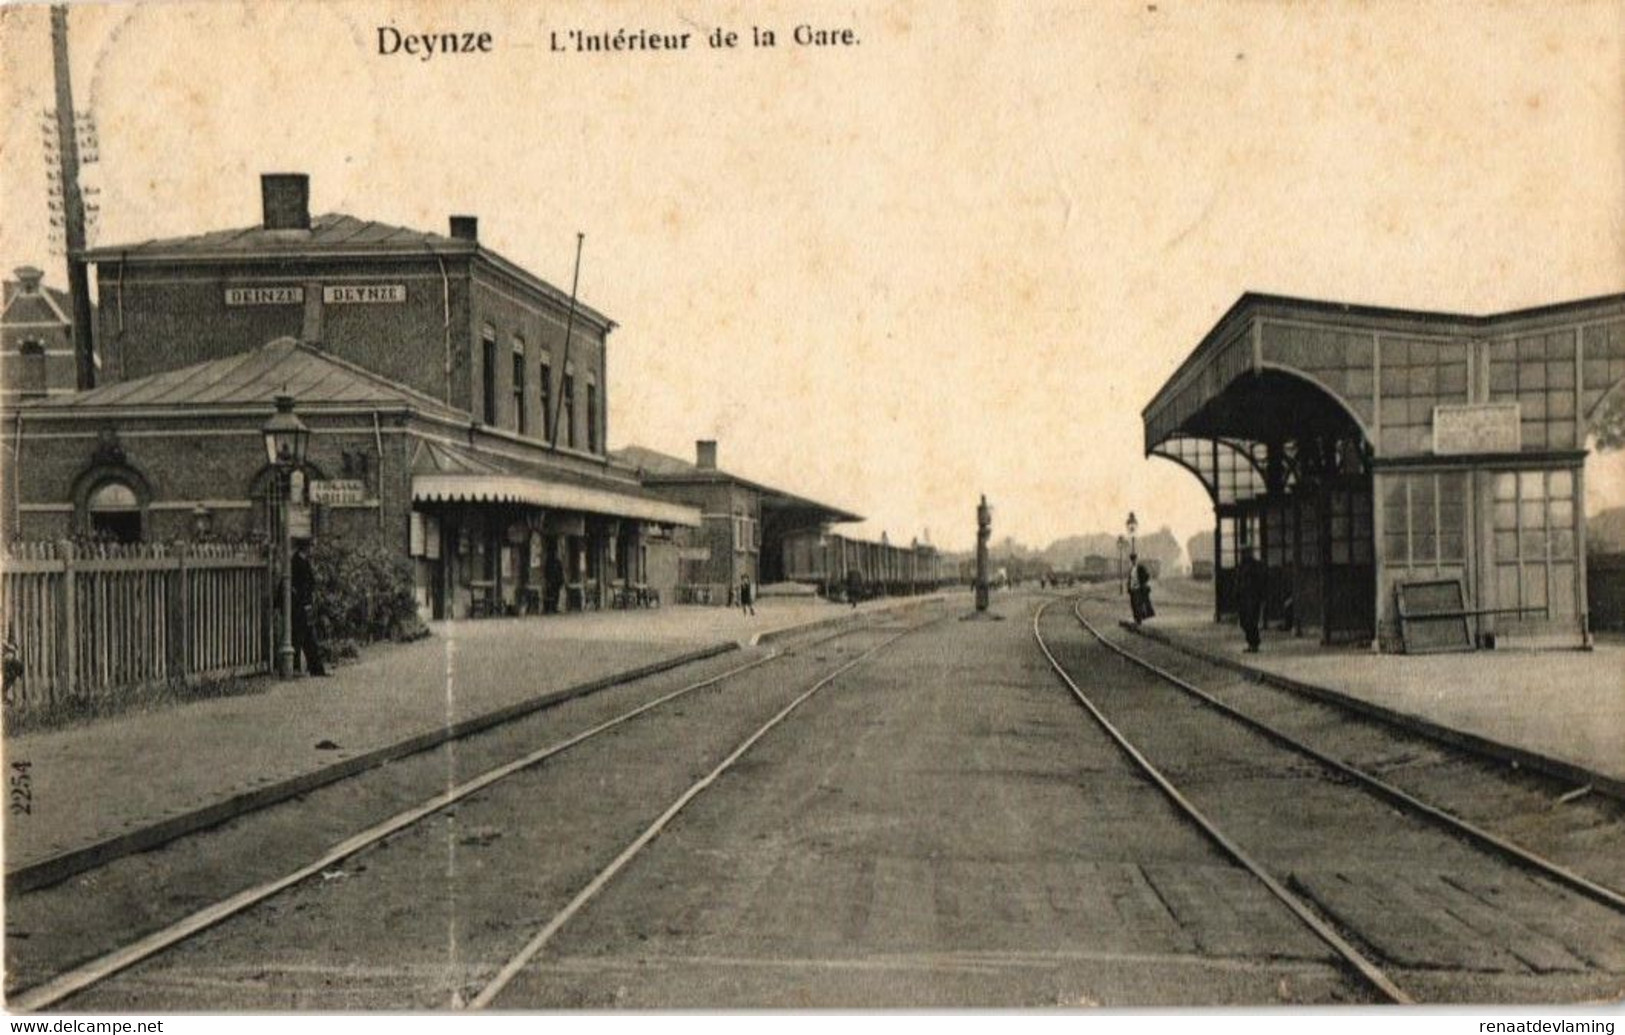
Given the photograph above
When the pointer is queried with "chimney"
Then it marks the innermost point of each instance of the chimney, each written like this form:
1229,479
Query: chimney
466,228
29,278
286,197
705,454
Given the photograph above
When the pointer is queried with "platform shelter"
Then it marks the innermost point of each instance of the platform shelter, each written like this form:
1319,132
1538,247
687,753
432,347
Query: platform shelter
1360,449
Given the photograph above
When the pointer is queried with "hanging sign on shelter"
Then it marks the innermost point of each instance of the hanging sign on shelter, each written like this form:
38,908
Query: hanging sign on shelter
1476,428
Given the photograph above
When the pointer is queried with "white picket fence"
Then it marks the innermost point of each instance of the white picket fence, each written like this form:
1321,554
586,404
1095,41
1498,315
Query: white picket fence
94,619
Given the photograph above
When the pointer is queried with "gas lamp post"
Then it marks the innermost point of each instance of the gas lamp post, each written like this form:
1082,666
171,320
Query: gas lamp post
286,439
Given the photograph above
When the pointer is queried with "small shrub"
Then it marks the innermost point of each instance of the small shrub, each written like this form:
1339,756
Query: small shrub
363,591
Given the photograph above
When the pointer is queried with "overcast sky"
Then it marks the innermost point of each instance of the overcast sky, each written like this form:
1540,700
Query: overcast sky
956,258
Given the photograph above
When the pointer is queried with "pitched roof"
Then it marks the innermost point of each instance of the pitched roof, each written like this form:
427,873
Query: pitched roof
49,305
653,462
657,468
284,366
330,231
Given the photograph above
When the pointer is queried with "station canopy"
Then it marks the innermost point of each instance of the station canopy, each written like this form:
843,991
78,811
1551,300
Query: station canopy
1229,403
443,473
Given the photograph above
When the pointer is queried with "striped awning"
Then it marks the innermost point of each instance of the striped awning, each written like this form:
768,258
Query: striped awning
555,496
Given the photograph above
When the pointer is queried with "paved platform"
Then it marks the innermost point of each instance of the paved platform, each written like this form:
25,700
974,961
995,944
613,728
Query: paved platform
118,785
1566,707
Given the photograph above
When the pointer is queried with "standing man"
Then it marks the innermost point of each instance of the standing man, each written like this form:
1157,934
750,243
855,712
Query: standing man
1250,596
747,595
854,585
304,595
1135,589
1142,576
553,581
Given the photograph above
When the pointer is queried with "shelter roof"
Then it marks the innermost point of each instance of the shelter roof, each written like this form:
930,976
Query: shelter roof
657,468
446,473
1206,396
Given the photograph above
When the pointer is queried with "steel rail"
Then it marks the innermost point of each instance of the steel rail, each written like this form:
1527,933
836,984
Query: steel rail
1452,823
1368,970
70,982
538,942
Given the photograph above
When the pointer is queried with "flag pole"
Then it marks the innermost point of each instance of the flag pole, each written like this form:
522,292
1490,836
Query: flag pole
564,368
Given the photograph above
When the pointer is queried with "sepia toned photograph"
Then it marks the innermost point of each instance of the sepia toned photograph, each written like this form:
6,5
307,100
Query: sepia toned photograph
602,507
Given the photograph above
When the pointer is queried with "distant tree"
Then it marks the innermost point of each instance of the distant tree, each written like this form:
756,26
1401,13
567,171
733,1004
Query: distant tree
1608,423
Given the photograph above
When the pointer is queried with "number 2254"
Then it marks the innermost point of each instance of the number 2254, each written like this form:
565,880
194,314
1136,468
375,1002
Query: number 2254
22,789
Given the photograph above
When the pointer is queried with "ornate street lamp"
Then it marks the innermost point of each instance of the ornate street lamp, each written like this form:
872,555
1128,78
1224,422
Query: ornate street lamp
1122,554
286,439
1133,526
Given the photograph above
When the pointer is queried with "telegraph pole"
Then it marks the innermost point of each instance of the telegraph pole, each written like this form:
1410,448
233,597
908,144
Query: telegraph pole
73,203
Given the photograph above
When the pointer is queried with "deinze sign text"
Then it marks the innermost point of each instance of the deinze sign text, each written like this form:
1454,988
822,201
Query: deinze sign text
265,295
369,294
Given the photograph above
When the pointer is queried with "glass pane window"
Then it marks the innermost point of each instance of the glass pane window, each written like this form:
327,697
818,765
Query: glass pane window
521,423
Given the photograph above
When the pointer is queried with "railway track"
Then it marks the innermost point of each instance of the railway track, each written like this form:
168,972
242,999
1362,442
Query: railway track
77,979
488,993
1448,820
1366,892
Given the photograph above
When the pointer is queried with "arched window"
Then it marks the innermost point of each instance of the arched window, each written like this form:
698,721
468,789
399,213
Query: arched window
114,511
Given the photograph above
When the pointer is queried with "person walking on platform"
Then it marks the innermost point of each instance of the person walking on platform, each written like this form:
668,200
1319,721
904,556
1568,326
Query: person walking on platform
747,595
854,586
1250,596
304,595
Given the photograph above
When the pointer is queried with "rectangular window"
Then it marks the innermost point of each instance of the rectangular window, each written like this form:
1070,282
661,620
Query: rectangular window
521,415
489,373
1534,519
1309,531
592,417
544,387
33,382
567,410
1424,519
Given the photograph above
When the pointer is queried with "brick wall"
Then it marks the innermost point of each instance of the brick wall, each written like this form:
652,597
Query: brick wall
539,328
180,463
174,316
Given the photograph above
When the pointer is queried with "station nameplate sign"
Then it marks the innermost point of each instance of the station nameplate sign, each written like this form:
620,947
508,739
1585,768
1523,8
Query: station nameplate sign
1477,428
339,492
364,294
291,295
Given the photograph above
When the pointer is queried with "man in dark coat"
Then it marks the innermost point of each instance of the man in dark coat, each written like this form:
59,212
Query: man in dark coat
1139,589
747,595
552,582
304,594
854,586
1142,575
1250,596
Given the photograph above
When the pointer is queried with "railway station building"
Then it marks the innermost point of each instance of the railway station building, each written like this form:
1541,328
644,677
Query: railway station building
745,525
457,410
1364,453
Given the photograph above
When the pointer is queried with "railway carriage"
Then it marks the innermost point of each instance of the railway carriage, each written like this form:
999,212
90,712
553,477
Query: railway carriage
825,559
